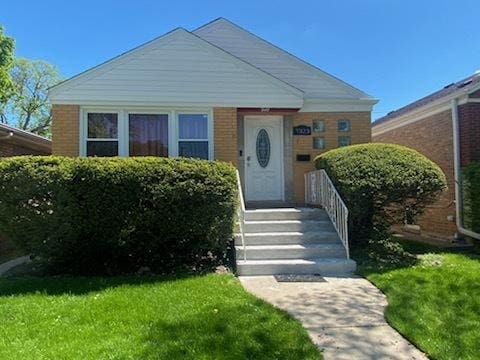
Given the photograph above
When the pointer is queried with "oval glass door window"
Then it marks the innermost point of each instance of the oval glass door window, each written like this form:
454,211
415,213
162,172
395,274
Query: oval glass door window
263,148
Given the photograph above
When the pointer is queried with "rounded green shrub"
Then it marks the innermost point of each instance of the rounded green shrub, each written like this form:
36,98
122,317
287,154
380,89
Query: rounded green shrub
118,215
379,182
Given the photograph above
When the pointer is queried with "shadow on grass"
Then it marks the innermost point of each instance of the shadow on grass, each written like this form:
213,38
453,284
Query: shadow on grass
228,332
398,253
59,285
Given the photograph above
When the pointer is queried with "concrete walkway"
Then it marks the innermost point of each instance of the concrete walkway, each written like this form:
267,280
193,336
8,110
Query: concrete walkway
344,316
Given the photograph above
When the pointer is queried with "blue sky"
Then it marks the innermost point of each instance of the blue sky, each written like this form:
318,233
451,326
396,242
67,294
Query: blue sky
395,50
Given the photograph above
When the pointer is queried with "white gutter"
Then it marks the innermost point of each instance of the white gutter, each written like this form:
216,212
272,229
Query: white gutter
458,175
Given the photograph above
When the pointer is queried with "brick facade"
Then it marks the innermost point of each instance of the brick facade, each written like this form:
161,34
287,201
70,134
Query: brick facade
433,137
225,135
360,132
9,148
65,136
65,130
469,120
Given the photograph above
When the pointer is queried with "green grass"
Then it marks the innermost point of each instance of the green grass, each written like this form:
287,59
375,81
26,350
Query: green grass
207,317
436,302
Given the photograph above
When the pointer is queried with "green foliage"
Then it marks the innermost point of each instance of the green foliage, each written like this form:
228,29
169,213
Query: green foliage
108,216
471,176
7,45
202,317
29,105
441,292
378,183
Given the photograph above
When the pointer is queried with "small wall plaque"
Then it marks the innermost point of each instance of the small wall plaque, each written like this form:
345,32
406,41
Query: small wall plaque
302,130
303,157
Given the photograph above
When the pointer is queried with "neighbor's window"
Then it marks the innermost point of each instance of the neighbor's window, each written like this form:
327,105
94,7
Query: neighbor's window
318,125
193,135
343,125
319,143
344,140
148,134
102,134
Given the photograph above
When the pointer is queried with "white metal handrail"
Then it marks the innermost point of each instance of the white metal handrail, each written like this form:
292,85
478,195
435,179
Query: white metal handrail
241,215
320,191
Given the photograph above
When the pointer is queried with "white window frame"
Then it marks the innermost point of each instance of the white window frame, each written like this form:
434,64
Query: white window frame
209,137
123,126
84,129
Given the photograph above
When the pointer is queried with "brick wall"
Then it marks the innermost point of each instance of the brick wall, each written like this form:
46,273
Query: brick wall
65,130
7,148
360,132
225,134
433,137
469,120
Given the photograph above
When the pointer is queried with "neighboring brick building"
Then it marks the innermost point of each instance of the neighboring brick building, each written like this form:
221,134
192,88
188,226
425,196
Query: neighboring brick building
220,93
14,142
426,125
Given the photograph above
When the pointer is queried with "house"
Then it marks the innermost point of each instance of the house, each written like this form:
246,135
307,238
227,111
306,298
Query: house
218,92
14,142
445,127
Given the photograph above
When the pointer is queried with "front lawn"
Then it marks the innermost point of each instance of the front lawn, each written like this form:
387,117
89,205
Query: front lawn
435,303
207,317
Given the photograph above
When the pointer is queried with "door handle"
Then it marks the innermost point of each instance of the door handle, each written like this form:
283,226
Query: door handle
248,158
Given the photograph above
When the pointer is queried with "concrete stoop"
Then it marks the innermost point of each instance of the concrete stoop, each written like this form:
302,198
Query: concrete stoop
291,241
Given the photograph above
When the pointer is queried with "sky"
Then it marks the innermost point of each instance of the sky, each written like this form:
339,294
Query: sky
394,50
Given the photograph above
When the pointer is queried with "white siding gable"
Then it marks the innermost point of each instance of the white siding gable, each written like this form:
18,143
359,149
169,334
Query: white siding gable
315,83
178,68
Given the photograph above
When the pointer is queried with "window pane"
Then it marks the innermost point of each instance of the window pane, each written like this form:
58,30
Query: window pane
195,149
344,140
192,126
318,125
319,143
103,126
148,134
343,125
102,148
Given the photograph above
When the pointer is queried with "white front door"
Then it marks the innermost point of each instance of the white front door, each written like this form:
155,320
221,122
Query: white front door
263,158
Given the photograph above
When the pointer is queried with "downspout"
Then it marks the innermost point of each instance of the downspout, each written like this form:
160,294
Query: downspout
458,175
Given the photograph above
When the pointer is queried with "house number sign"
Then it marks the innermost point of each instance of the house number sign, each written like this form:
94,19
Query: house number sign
302,130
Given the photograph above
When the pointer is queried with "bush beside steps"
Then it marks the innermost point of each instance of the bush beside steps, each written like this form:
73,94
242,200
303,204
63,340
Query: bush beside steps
87,216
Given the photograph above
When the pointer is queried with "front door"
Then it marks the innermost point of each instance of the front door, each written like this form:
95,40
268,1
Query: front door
264,158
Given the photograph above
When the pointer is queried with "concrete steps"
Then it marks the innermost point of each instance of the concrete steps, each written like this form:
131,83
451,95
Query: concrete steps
292,251
324,267
290,241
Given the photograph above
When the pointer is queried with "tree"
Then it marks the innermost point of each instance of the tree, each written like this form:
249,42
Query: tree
7,44
29,106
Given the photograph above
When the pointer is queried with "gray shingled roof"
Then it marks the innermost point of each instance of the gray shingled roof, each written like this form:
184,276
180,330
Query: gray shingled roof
446,91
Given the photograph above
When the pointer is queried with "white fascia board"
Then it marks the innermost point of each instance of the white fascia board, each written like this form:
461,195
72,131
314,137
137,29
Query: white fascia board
427,110
294,104
338,105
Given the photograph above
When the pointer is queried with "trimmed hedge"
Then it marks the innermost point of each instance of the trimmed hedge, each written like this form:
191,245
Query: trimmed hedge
118,215
379,182
471,175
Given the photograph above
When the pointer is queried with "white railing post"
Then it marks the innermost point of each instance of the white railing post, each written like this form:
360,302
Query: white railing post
319,190
241,215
